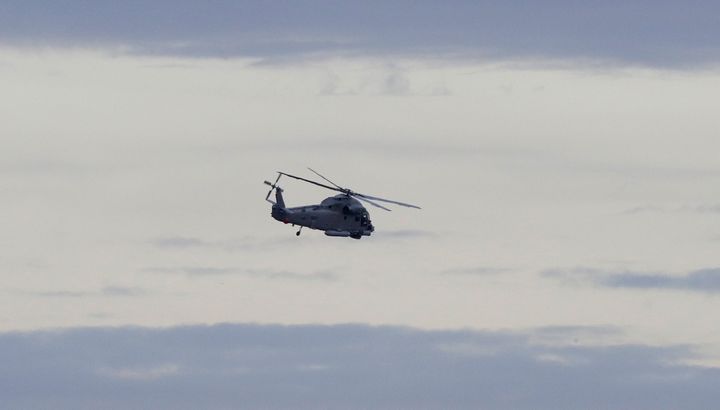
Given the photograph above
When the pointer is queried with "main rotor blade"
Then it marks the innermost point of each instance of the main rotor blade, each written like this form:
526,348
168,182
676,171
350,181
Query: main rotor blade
312,182
386,200
371,202
318,174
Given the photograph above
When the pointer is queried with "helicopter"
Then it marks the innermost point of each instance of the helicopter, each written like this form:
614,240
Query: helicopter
342,215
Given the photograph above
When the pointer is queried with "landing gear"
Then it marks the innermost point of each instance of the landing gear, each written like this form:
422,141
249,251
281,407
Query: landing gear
298,232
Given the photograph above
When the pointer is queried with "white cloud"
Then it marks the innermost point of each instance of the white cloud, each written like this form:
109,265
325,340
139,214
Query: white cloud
159,162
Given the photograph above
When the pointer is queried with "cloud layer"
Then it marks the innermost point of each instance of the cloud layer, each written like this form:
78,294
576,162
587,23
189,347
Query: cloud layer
342,366
657,33
702,280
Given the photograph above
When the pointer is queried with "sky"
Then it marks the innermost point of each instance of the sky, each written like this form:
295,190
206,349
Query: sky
564,155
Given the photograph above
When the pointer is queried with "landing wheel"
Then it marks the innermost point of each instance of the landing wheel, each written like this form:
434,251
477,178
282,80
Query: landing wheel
298,232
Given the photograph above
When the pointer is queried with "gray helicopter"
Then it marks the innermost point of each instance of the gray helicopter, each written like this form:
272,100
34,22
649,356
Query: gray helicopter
340,215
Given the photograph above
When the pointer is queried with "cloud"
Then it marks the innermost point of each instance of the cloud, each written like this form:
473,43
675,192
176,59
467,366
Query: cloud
645,32
44,167
247,243
524,158
573,335
702,280
122,291
696,209
404,234
396,83
391,81
643,209
112,291
339,366
173,242
140,373
477,270
62,294
198,271
712,209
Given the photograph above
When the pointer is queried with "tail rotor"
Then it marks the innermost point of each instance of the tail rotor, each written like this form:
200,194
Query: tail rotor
273,186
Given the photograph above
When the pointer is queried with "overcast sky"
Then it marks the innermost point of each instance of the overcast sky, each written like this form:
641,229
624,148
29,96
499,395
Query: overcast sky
564,155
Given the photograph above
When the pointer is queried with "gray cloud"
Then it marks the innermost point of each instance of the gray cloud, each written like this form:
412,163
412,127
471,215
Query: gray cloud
255,273
122,291
106,291
396,83
476,270
643,209
62,294
656,33
248,243
702,280
712,209
696,209
341,366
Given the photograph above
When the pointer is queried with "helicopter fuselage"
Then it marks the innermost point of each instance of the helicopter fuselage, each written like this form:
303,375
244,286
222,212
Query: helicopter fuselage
339,215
